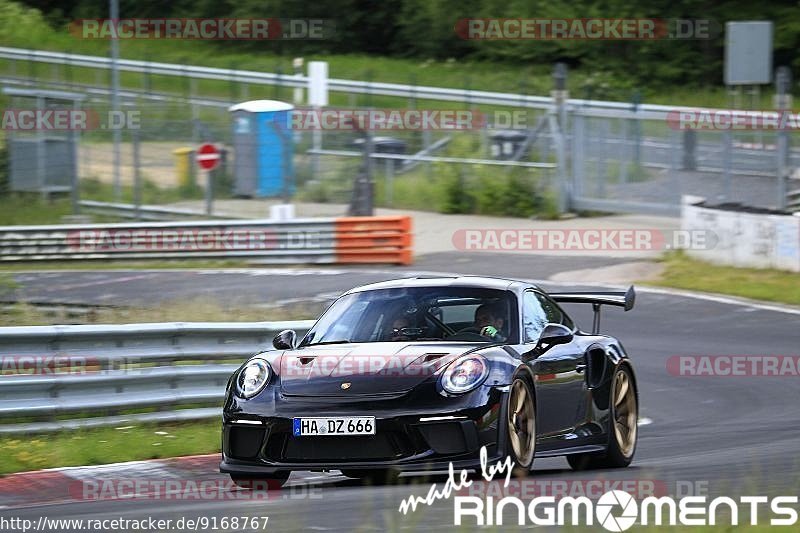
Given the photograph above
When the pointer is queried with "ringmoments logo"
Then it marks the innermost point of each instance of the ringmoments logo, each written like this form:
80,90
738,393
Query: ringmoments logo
617,510
614,510
605,507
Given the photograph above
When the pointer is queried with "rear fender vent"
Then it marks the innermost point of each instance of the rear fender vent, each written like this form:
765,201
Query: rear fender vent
597,361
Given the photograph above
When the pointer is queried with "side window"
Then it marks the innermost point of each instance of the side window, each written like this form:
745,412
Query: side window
534,317
554,313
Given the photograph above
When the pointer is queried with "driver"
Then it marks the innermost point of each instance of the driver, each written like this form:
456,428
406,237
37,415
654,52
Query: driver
396,331
489,322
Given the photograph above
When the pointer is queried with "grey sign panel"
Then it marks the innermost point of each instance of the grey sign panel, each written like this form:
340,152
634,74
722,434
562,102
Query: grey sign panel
748,53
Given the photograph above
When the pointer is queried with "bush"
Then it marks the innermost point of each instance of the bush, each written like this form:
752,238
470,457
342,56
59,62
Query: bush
457,199
454,188
511,194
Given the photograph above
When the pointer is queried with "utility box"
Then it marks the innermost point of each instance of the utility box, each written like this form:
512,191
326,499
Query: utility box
42,157
263,147
42,163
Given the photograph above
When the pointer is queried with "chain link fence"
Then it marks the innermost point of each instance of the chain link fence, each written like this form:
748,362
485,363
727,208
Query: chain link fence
614,160
649,165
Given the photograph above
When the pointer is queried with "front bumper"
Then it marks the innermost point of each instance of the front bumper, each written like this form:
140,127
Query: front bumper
407,439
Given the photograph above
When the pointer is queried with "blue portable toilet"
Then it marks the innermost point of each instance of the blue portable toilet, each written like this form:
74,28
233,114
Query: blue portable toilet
263,148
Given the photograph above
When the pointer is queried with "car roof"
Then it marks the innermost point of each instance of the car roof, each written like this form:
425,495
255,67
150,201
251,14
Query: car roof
485,282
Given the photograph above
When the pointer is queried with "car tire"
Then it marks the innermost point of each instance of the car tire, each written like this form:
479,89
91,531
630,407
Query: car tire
520,422
270,482
373,476
622,431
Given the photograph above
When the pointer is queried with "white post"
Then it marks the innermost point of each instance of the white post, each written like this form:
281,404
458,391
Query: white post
297,64
317,99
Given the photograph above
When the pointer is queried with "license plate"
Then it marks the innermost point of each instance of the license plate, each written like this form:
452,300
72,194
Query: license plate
348,425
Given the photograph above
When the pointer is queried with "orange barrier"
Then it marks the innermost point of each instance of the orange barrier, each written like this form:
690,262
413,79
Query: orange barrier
374,240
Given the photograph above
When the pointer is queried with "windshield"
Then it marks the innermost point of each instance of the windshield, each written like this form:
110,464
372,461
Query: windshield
418,314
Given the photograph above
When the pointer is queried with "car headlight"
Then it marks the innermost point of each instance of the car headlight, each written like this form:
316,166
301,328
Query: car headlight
464,374
253,377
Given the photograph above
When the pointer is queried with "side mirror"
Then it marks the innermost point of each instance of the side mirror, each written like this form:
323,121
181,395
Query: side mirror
285,340
554,334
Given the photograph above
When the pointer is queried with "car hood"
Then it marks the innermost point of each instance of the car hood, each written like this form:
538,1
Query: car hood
366,368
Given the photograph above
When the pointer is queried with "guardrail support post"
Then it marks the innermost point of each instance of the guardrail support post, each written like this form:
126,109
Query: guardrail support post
389,181
689,150
727,162
783,103
137,176
558,128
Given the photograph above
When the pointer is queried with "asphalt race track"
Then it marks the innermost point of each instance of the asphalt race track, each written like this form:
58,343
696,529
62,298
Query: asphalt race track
731,435
267,285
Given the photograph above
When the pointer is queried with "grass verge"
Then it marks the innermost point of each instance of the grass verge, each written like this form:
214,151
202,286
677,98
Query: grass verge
683,272
108,445
187,310
29,209
26,28
33,209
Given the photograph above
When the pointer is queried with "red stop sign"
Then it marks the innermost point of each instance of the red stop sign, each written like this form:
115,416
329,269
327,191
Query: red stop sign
208,156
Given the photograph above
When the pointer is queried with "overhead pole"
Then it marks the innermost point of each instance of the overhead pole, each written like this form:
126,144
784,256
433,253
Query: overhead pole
116,132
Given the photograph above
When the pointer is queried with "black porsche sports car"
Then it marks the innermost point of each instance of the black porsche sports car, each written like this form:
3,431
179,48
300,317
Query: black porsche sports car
412,374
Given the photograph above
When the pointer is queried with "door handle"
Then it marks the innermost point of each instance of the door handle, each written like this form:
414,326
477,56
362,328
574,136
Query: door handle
580,368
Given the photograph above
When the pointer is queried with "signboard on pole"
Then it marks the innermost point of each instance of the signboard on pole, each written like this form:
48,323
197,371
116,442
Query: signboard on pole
208,156
318,83
748,53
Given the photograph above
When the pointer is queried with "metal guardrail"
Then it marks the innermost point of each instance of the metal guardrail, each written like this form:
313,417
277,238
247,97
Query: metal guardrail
437,159
605,138
143,212
59,377
313,240
336,85
793,194
793,200
125,94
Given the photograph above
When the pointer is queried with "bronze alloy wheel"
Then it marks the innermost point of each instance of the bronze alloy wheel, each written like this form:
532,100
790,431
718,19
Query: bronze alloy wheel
625,413
521,423
623,408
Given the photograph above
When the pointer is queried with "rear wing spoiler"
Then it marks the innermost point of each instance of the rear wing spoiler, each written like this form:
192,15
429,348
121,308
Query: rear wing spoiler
625,299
